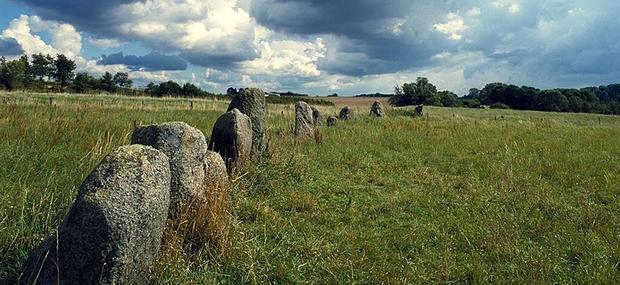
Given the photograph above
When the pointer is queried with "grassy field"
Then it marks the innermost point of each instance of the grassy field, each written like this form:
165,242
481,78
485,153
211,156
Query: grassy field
459,196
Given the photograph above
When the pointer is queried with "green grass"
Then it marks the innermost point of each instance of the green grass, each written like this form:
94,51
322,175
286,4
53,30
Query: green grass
459,196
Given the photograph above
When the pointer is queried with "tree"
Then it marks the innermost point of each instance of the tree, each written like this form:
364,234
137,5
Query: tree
12,74
151,89
169,88
42,67
471,103
576,104
420,92
231,91
107,83
553,100
474,93
28,76
449,99
190,90
84,83
64,68
121,80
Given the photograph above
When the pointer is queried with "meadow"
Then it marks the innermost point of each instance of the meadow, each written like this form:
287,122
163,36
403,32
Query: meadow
458,196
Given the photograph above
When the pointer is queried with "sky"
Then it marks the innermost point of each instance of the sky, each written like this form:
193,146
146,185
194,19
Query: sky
322,47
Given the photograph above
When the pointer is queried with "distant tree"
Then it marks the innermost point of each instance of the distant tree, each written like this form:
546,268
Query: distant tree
471,103
151,89
554,101
190,90
28,72
64,68
12,74
333,95
491,93
84,83
107,83
169,88
449,99
121,80
415,93
474,93
398,91
433,100
576,104
231,91
42,67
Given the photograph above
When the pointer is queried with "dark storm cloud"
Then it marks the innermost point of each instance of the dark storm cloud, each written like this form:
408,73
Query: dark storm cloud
153,61
10,47
222,62
345,17
372,37
95,16
554,39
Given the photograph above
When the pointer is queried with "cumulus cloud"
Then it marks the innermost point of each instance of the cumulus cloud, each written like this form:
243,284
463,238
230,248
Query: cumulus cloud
286,57
65,38
217,29
151,61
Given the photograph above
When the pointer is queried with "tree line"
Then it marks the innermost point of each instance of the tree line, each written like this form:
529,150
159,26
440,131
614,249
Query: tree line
173,89
45,73
601,100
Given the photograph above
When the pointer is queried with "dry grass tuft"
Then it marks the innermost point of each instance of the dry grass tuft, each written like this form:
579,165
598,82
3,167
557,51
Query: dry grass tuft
199,232
318,136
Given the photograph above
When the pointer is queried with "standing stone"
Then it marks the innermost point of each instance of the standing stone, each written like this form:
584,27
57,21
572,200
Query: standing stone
115,226
232,139
317,116
251,102
419,111
332,121
186,147
304,119
216,173
377,110
346,113
199,178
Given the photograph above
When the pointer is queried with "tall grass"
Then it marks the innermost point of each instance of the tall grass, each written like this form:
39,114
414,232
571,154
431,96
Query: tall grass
459,196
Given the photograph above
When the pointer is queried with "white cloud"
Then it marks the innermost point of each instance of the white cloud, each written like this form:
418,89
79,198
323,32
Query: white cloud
20,30
65,38
453,27
287,57
216,27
